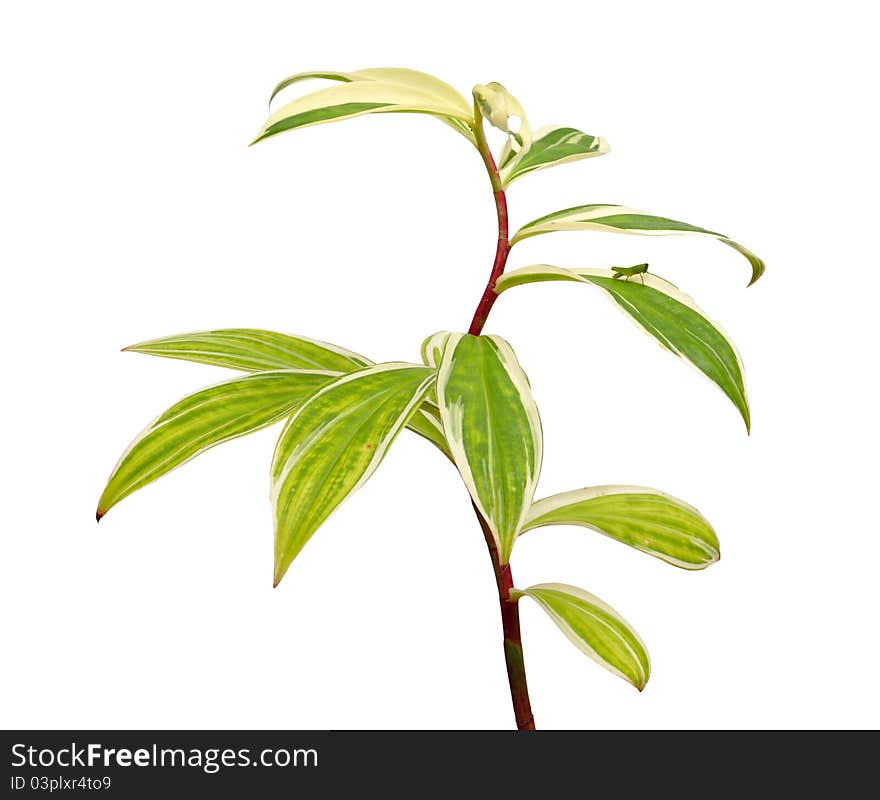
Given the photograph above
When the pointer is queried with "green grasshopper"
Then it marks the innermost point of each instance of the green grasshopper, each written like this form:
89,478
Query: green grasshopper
628,272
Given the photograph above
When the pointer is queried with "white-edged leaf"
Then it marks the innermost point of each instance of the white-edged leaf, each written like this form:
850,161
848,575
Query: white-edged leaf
492,428
653,522
595,629
668,315
369,91
254,350
333,443
550,146
433,347
207,418
326,75
504,112
620,219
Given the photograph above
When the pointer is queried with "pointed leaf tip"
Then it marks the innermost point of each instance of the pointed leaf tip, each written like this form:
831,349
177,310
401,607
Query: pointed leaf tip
333,444
369,91
99,515
664,313
493,428
205,419
596,629
621,219
252,350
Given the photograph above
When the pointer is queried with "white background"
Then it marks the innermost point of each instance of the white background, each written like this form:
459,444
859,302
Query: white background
132,208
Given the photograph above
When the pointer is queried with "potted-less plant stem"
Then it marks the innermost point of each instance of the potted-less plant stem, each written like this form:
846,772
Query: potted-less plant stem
469,398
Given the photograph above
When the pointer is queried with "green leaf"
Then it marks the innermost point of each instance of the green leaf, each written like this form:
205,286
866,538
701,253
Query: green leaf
433,347
645,519
327,75
253,350
620,219
205,419
596,629
493,429
670,316
550,146
333,443
370,91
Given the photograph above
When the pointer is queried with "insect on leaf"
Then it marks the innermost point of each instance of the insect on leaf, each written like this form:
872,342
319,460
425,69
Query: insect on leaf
205,419
620,219
334,443
668,315
645,519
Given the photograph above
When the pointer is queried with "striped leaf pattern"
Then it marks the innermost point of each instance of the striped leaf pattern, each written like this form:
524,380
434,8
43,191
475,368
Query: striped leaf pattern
620,219
492,426
595,629
651,521
550,146
369,91
668,315
333,444
205,419
253,350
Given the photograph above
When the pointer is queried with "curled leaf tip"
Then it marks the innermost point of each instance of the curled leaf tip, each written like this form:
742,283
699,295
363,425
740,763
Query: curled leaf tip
99,514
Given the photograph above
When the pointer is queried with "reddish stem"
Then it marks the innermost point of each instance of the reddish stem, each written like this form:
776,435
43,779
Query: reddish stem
501,253
513,652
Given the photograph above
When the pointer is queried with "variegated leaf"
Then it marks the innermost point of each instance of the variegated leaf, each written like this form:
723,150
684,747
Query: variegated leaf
620,219
255,350
369,91
205,419
433,347
550,146
504,112
333,443
595,629
492,426
648,520
668,315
